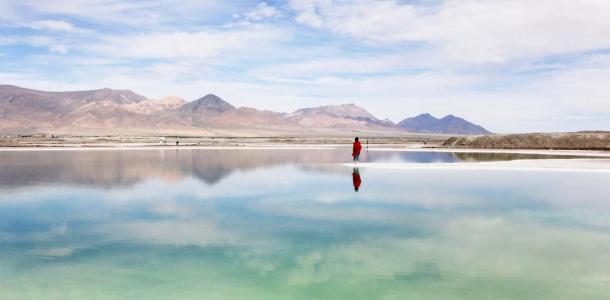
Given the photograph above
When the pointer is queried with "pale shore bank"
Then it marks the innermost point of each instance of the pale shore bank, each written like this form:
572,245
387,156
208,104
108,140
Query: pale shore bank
546,165
135,147
591,153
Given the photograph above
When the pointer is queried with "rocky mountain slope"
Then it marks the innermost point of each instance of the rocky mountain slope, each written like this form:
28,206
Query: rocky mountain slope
32,110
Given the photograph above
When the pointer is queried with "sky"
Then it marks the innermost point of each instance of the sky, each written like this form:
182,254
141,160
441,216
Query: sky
511,66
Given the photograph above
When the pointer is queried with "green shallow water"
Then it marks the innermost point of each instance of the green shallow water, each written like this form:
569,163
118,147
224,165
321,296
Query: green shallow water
286,224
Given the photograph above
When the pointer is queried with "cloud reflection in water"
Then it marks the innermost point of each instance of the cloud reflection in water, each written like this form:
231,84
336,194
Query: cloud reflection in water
280,225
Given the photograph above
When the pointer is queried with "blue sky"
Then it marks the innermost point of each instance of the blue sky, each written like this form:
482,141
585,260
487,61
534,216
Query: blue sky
512,66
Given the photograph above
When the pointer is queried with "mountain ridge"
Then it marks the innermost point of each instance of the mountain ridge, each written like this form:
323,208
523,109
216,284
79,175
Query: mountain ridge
448,124
28,110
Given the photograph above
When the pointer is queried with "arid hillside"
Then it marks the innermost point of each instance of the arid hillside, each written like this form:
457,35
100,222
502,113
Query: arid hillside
585,140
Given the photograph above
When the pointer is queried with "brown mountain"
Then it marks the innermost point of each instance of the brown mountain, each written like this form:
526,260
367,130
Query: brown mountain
31,110
247,116
199,112
150,106
22,99
109,111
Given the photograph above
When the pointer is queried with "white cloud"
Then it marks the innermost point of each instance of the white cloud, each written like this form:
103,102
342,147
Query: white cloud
263,11
469,30
53,44
59,48
112,12
55,25
370,64
6,11
203,44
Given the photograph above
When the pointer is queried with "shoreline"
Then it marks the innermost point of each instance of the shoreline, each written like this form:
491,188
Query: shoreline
271,146
186,147
289,146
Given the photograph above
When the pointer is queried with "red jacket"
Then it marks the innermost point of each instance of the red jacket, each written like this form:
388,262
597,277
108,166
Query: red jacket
357,148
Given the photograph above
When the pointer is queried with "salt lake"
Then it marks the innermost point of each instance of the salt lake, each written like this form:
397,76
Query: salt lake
297,224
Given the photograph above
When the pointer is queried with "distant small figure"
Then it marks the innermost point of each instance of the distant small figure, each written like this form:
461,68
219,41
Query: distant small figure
356,150
356,179
162,140
425,142
177,141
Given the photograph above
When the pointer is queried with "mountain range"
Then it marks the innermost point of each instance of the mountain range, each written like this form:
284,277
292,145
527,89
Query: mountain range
449,124
122,111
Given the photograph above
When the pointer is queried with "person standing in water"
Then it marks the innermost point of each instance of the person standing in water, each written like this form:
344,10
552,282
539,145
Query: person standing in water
356,150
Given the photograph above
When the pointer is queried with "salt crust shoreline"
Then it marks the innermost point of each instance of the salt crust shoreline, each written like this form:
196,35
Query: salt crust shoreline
144,148
545,165
597,162
115,147
591,153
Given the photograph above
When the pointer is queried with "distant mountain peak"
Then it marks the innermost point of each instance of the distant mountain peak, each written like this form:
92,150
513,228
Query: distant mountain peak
448,124
209,103
347,110
347,115
425,116
210,97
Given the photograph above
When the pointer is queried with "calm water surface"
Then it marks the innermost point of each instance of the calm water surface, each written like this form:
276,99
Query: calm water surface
288,224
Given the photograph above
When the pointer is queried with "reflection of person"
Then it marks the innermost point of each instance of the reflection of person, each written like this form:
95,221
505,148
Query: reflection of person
356,150
356,179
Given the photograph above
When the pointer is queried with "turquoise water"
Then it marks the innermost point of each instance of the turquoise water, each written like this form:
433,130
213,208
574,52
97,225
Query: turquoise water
288,224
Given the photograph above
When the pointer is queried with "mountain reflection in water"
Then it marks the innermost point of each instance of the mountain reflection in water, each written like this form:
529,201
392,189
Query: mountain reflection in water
107,168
